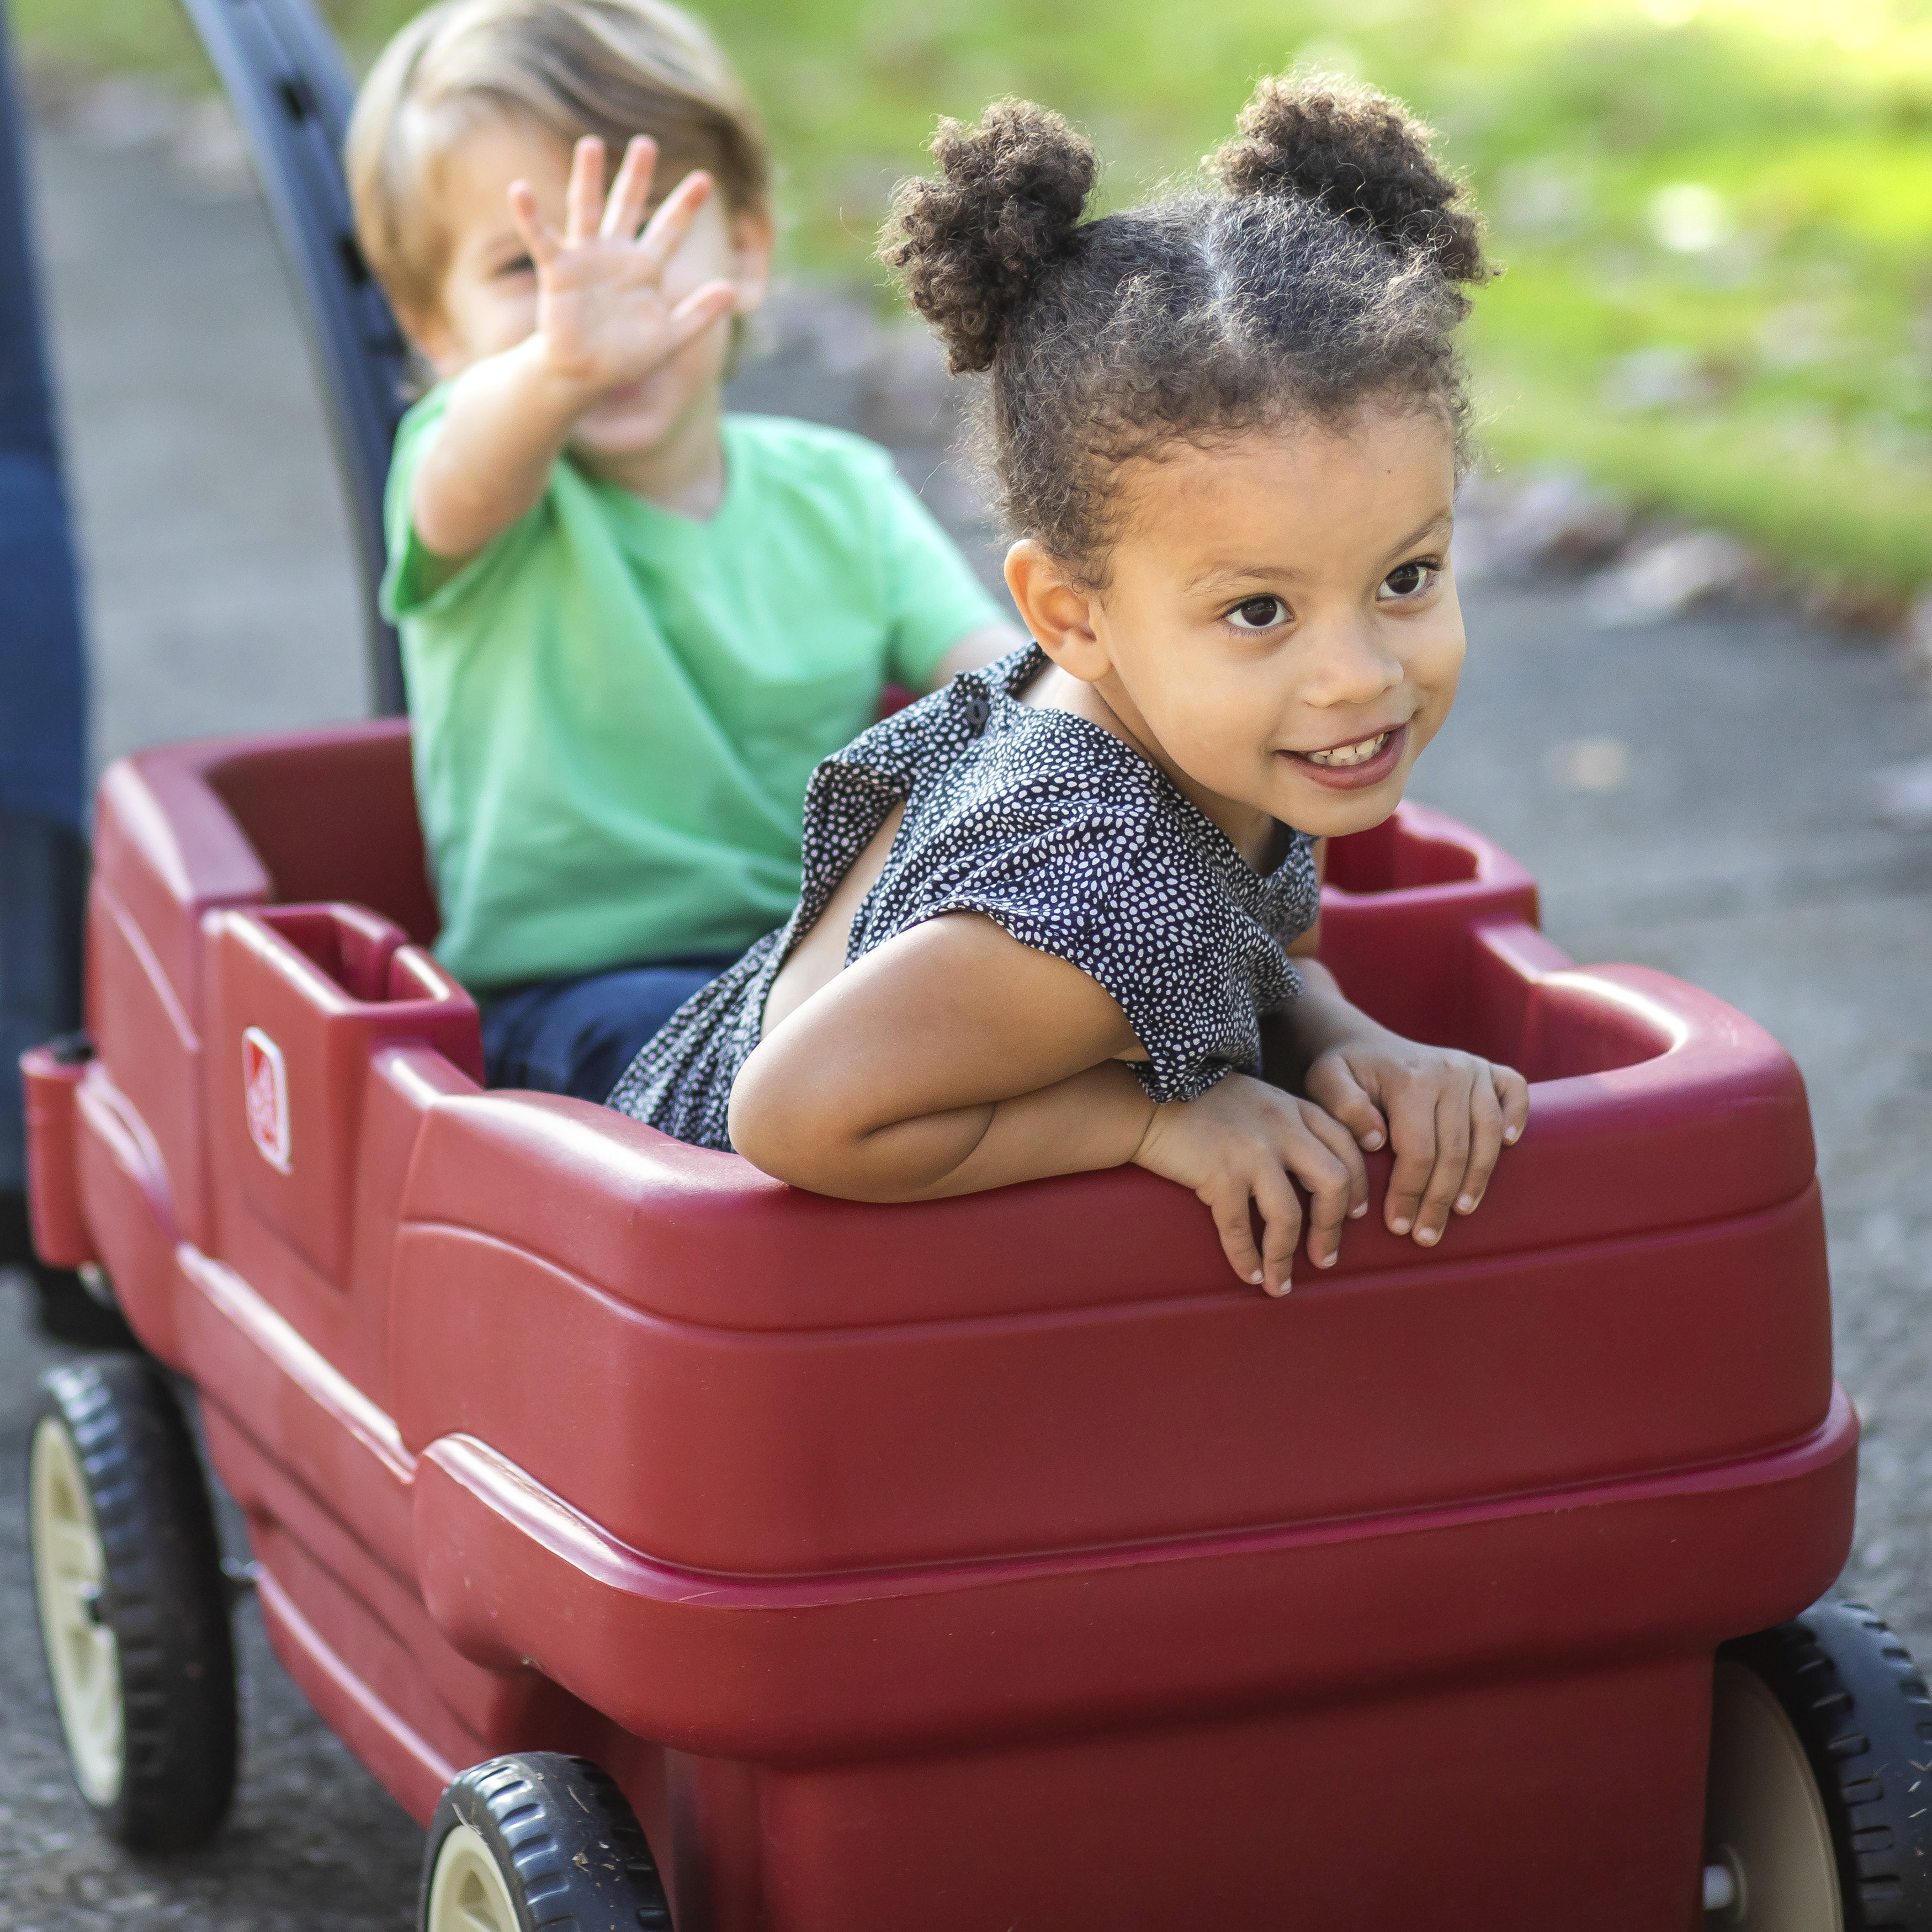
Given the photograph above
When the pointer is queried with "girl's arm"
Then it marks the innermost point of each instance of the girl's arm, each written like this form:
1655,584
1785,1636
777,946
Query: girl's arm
955,1059
603,319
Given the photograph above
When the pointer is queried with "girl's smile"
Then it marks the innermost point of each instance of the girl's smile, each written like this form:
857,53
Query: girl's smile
1363,762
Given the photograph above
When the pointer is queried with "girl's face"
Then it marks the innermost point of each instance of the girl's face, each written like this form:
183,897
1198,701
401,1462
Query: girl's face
488,299
1279,630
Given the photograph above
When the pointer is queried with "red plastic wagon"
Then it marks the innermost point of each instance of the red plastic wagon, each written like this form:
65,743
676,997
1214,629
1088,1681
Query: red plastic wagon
996,1563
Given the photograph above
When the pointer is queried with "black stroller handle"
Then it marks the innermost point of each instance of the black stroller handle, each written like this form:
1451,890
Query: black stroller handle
291,93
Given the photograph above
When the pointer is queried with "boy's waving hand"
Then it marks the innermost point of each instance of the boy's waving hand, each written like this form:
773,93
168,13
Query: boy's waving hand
603,316
583,333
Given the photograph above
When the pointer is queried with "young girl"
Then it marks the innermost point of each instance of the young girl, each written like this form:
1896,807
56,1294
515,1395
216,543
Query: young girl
1049,913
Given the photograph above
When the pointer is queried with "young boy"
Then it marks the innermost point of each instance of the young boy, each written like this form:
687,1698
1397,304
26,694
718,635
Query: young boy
631,625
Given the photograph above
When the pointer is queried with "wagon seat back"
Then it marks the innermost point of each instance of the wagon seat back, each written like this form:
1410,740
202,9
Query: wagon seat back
257,985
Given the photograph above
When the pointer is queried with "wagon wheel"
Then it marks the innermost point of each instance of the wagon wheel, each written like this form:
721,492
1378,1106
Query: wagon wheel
133,1608
522,1842
1820,1794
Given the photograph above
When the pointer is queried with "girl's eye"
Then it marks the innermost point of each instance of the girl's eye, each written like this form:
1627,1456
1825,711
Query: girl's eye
1408,581
522,266
1258,613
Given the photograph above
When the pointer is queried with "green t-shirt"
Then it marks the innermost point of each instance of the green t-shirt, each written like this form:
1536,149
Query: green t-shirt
617,708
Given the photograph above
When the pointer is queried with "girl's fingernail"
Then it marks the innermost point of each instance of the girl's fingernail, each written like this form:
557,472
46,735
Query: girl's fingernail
1328,1260
1356,1213
1372,1141
1511,1133
1256,1277
1426,1236
1464,1203
1398,1227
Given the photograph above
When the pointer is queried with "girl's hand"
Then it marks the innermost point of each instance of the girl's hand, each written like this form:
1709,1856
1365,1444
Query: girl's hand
1239,1143
1448,1115
602,313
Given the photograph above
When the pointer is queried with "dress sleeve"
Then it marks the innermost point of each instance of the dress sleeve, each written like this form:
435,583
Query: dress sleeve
1145,926
417,582
933,599
1302,906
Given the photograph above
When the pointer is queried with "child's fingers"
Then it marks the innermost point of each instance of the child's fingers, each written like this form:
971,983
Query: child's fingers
672,222
583,199
1512,1092
539,238
1485,1141
630,192
1412,1133
1333,1086
699,310
1326,1177
1340,1142
1281,1229
1226,1199
1452,1157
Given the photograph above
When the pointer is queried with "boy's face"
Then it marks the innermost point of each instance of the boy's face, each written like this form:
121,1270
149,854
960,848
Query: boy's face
1280,625
488,299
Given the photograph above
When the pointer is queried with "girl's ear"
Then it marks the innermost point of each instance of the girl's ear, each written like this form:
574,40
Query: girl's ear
1057,613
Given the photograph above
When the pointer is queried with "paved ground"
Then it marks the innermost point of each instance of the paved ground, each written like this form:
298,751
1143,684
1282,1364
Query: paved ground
1695,796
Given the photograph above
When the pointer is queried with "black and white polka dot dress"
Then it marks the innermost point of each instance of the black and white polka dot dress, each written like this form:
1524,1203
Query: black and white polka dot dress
1057,831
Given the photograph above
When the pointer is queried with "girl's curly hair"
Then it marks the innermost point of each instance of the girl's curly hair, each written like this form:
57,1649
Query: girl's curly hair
1326,273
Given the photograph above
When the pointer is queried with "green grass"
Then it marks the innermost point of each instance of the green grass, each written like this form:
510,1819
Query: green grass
1794,402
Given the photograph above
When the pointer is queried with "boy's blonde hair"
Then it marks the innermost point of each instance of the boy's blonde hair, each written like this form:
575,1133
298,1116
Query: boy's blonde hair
613,68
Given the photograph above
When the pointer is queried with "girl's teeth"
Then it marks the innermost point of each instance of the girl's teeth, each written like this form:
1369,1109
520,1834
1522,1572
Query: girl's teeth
1358,753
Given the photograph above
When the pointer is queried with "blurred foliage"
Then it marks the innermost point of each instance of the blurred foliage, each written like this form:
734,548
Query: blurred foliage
1716,217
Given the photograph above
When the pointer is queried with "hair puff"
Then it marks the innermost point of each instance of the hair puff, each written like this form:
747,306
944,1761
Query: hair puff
971,245
1357,153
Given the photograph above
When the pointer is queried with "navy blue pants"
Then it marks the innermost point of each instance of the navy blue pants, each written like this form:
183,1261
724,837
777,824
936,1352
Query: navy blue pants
42,679
576,1035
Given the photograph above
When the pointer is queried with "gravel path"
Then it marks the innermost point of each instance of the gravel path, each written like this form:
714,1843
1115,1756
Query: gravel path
1697,796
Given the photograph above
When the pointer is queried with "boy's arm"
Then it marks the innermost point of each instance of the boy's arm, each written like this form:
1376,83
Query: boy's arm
506,423
603,320
977,647
941,619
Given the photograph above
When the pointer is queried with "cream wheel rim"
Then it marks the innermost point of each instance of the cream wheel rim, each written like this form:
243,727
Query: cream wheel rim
1764,1816
70,1572
467,1893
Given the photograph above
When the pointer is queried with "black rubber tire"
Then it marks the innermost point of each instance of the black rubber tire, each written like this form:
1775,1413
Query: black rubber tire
164,1596
567,1846
1863,1715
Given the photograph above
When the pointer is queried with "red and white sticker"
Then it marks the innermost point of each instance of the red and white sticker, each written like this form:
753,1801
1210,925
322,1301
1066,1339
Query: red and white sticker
264,1081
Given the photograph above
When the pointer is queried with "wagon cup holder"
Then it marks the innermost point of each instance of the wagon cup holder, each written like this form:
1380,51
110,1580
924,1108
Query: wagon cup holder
1434,931
300,998
365,956
1414,848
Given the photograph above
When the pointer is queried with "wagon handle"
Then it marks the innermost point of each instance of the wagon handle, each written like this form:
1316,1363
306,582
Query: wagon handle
291,94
